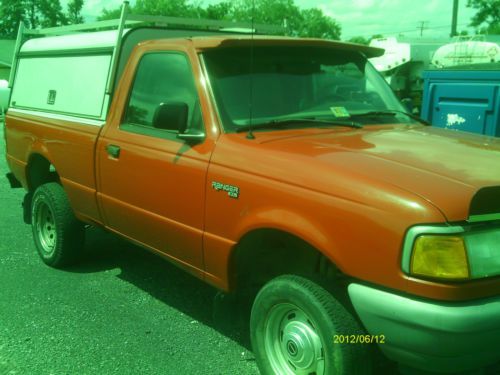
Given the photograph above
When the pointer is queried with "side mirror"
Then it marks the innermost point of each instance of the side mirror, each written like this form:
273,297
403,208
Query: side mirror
171,116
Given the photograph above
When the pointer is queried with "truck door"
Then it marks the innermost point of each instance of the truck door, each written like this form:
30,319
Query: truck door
151,184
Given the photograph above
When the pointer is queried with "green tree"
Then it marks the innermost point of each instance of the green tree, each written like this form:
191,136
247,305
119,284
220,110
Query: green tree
110,14
32,13
271,12
75,11
306,23
171,8
35,14
358,40
52,14
219,11
316,25
12,13
487,18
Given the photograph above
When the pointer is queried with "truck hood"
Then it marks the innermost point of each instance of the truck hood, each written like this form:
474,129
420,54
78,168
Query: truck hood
444,167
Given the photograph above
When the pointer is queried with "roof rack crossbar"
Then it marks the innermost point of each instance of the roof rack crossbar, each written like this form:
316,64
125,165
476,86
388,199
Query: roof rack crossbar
136,20
203,23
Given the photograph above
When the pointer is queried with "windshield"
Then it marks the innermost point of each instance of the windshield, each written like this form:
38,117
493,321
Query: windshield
265,84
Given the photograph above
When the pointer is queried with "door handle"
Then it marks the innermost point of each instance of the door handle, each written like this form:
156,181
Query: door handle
113,151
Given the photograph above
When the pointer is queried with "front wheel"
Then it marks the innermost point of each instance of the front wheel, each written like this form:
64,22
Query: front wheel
58,235
293,325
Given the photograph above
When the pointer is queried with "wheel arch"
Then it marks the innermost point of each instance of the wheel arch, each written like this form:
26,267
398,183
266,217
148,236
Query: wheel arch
39,170
267,252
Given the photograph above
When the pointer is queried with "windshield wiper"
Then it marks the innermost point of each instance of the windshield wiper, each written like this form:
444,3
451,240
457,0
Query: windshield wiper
391,112
278,123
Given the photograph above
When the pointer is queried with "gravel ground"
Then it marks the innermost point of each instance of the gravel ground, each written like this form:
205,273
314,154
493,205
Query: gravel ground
121,311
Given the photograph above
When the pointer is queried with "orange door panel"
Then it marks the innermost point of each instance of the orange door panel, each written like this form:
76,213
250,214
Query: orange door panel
154,192
152,184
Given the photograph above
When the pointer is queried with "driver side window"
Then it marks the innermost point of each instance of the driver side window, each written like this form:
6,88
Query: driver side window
161,78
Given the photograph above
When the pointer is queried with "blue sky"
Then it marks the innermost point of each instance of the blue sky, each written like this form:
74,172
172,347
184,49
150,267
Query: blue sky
361,17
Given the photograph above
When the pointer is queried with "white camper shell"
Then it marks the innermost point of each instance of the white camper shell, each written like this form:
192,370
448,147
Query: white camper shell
75,74
65,74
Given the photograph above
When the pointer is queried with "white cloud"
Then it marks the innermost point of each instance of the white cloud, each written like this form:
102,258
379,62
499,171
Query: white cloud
363,4
391,17
95,6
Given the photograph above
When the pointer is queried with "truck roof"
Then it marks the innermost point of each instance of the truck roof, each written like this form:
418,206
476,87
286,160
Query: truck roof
236,40
105,41
53,72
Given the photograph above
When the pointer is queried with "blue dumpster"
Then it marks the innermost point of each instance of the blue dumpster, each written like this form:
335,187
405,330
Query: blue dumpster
465,99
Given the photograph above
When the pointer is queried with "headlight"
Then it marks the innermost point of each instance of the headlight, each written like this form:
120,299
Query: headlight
440,256
452,252
484,252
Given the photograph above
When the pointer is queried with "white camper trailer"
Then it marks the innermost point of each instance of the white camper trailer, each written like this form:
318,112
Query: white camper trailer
475,50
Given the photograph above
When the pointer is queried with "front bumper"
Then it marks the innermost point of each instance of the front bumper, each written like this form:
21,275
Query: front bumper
429,335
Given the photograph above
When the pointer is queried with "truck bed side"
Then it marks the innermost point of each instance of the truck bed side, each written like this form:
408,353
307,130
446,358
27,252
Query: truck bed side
38,144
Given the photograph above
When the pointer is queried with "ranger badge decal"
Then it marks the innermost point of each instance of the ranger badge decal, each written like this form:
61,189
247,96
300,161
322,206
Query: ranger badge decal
232,191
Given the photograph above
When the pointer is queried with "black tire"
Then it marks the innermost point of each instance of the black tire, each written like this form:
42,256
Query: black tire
58,235
290,310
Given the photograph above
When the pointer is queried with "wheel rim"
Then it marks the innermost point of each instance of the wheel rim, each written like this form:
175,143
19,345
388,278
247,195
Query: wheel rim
292,343
45,228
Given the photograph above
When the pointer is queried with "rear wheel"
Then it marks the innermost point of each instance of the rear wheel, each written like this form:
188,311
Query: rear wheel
58,235
293,324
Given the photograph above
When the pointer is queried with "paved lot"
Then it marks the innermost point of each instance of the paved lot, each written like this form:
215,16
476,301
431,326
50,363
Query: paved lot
120,311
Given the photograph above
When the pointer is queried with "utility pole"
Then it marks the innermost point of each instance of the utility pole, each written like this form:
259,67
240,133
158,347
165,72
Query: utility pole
422,27
454,18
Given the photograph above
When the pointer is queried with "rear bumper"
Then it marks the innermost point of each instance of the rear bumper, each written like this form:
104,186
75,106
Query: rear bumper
429,335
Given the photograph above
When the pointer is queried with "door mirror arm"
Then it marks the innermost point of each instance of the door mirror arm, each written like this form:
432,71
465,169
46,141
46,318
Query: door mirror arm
192,136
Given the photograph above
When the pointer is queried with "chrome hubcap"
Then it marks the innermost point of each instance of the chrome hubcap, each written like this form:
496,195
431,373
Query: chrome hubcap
292,343
45,228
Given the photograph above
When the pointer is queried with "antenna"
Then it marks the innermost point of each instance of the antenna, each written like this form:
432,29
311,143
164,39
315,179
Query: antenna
250,104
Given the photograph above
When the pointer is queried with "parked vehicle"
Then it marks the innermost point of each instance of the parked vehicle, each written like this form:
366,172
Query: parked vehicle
403,63
464,98
478,49
461,88
284,167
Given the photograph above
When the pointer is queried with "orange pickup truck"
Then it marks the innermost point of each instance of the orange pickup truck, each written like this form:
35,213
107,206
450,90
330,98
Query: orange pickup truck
285,166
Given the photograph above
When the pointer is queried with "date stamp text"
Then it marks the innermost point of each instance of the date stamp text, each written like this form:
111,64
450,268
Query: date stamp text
359,339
